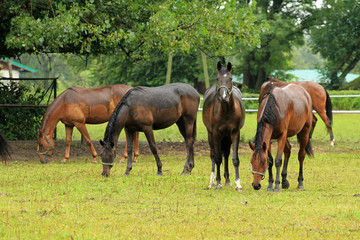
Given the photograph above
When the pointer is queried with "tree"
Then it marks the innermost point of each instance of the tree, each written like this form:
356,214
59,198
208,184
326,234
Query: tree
288,20
128,28
337,38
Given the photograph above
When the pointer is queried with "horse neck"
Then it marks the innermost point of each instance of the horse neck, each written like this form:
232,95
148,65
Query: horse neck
50,120
226,107
266,133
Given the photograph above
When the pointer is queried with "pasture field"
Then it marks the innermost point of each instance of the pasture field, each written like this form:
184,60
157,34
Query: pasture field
74,201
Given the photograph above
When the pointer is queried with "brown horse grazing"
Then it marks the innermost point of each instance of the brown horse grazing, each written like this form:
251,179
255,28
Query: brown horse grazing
283,112
321,101
223,116
144,109
4,148
78,106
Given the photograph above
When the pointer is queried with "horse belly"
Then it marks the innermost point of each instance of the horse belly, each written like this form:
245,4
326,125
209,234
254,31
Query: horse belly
164,118
97,114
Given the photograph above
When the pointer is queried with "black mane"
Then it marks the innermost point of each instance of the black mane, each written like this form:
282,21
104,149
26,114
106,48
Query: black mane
270,116
113,119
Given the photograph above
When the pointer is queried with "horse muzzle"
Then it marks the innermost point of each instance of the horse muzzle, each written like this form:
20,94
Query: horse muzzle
106,171
256,186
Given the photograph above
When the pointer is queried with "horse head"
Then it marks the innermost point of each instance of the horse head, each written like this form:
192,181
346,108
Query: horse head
45,147
107,155
224,82
259,164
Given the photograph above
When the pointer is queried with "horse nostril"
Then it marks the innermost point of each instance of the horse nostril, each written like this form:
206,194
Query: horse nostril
105,174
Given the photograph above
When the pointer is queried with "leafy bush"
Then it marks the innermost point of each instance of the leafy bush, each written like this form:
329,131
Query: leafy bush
20,123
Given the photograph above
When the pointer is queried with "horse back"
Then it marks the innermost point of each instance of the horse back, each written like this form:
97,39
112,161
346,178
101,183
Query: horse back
295,107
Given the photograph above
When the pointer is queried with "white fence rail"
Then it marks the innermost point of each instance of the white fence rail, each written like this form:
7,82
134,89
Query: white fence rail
331,96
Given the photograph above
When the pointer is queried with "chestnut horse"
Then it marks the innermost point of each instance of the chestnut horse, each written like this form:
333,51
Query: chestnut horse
223,116
78,106
283,112
321,101
4,148
144,109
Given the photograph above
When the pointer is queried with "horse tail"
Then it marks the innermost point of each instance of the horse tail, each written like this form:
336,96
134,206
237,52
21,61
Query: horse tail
328,108
308,148
4,148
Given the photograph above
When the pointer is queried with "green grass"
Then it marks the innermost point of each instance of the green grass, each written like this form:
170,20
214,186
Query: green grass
73,201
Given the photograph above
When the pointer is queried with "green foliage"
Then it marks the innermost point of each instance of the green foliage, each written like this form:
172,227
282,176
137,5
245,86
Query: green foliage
20,123
130,28
348,103
336,39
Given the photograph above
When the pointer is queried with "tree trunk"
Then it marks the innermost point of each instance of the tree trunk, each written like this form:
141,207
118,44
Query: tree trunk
206,72
168,72
10,68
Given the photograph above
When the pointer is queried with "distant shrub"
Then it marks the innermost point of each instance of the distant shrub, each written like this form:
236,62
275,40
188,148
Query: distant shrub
20,123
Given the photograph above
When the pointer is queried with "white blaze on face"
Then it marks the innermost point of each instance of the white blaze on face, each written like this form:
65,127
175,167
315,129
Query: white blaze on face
224,95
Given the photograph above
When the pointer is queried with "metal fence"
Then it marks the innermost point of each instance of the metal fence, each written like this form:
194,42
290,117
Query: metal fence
331,96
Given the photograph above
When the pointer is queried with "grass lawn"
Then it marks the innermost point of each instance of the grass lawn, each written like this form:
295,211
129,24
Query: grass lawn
74,201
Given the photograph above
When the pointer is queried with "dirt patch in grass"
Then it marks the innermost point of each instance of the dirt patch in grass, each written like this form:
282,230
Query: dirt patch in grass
26,150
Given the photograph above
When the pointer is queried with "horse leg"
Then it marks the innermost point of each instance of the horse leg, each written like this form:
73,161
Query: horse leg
212,156
271,163
326,120
225,148
82,129
218,160
136,146
188,131
69,132
236,161
151,140
287,152
278,160
304,138
130,135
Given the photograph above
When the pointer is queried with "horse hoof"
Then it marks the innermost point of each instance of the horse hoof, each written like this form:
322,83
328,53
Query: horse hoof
239,189
285,185
228,183
219,187
301,187
270,189
159,174
62,162
277,190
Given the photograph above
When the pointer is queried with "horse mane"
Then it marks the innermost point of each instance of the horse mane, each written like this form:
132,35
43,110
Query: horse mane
270,116
113,119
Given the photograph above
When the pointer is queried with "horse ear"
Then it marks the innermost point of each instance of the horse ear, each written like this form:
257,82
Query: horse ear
101,142
252,146
219,65
112,144
264,146
229,66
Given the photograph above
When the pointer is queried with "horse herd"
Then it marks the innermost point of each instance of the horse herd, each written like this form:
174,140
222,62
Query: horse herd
285,110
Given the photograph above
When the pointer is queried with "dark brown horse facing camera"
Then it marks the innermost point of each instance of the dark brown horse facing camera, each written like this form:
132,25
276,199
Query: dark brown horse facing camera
283,112
321,101
144,109
76,107
223,116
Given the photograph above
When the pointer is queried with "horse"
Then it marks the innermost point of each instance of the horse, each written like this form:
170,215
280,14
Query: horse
78,106
223,116
321,101
4,148
283,112
144,109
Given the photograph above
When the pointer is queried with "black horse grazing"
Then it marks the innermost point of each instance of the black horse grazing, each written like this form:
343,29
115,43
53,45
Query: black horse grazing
223,116
4,148
144,109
